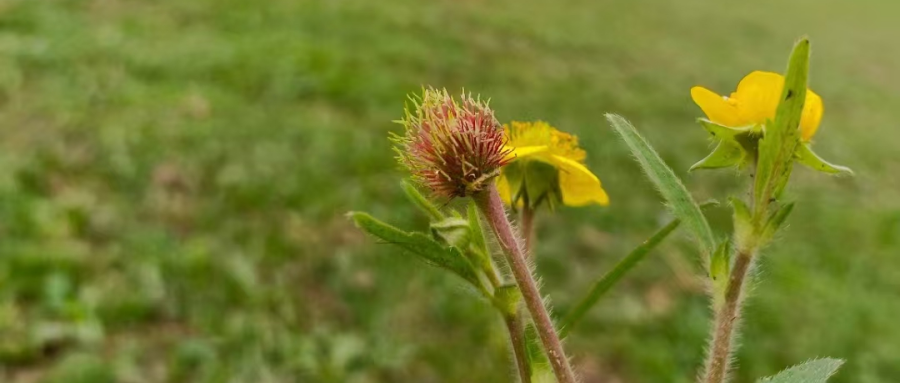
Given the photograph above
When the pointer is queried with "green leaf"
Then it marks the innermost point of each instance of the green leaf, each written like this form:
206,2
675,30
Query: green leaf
807,157
449,258
507,298
782,136
680,201
452,231
743,227
422,202
719,270
477,234
608,280
539,362
814,371
776,220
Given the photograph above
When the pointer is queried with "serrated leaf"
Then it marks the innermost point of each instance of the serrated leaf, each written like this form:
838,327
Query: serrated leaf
782,136
679,200
427,249
807,157
421,201
814,371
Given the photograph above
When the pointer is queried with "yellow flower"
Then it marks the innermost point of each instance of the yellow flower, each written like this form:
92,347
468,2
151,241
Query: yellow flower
549,163
755,102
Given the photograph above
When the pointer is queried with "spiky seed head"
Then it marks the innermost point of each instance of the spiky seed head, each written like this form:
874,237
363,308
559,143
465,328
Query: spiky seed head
453,147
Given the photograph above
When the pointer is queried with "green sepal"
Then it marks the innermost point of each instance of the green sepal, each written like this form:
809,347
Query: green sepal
782,135
726,154
719,271
722,132
813,371
421,202
507,298
533,183
776,220
806,156
732,147
542,184
427,249
452,231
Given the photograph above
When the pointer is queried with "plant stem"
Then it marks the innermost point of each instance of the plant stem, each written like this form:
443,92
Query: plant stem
527,221
488,201
726,322
516,328
517,337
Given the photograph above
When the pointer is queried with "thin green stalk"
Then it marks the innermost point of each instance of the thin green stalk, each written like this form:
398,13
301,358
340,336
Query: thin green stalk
489,203
608,280
727,318
516,328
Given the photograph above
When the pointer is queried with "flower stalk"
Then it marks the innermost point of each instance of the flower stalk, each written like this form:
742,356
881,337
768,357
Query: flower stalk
491,206
727,318
516,329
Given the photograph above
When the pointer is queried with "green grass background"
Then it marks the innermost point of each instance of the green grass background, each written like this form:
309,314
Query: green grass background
174,174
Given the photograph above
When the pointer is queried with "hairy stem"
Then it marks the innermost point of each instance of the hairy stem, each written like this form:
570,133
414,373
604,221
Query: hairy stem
726,322
517,337
516,328
488,201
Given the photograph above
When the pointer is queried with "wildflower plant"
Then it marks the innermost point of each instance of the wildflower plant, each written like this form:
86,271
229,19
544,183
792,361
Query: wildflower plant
456,149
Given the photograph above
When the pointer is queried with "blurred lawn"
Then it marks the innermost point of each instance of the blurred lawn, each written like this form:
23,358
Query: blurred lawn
173,178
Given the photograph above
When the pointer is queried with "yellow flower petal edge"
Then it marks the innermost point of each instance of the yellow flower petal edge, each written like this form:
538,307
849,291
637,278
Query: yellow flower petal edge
526,151
538,141
579,186
754,102
716,107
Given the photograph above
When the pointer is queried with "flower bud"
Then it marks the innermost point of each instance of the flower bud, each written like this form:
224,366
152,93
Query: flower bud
452,147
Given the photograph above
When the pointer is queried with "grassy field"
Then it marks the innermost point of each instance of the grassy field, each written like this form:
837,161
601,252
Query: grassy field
174,176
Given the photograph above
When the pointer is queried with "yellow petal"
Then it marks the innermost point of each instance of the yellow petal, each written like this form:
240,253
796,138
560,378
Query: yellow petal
525,151
503,189
757,96
811,117
717,109
578,185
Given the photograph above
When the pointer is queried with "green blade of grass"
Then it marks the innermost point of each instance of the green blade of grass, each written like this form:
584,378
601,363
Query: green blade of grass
608,280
